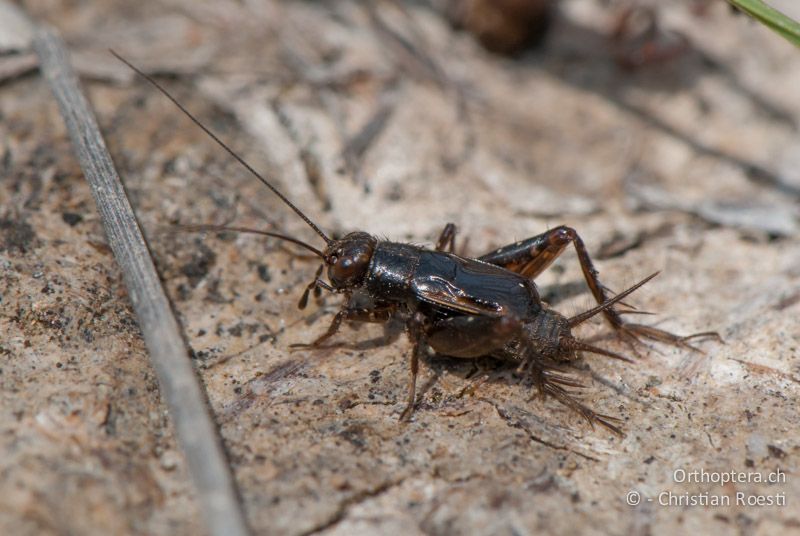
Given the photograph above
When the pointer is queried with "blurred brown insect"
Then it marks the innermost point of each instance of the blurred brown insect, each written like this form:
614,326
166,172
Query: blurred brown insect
461,307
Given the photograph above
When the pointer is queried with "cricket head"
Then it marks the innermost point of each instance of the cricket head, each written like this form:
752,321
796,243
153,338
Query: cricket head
348,259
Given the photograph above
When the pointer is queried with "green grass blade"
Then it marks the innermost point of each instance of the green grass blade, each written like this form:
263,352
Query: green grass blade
780,23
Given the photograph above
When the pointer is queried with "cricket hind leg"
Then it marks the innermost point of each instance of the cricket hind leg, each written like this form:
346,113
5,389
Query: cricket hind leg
532,256
551,381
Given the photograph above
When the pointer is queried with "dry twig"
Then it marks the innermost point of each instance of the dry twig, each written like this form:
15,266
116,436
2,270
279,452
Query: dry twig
179,385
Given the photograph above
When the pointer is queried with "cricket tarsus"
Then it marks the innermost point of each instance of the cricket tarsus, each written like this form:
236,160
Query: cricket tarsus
461,307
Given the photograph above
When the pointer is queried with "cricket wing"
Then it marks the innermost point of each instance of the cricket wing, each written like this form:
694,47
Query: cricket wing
444,294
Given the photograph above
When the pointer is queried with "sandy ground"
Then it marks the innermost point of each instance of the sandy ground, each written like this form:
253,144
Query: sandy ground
390,121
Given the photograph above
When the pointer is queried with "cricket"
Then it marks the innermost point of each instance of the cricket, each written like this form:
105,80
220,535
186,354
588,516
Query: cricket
463,307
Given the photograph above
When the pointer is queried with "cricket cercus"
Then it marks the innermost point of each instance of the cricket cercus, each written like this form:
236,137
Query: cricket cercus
459,306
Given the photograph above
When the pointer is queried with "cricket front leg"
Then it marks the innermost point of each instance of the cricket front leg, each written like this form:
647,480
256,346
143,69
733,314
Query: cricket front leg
532,256
378,314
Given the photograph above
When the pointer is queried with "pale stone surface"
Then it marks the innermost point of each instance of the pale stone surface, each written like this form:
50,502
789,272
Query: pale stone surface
633,160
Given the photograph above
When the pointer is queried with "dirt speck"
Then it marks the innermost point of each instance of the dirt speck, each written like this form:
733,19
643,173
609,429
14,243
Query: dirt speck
16,235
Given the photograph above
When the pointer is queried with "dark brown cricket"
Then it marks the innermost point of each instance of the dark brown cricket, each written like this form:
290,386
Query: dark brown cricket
461,307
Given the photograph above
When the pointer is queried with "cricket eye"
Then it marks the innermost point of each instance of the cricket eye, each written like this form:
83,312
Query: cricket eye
347,270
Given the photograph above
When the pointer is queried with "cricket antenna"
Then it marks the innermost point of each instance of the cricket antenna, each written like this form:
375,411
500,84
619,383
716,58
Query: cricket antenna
205,228
224,146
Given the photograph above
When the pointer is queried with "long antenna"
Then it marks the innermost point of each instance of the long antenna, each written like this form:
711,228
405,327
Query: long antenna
224,146
206,228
